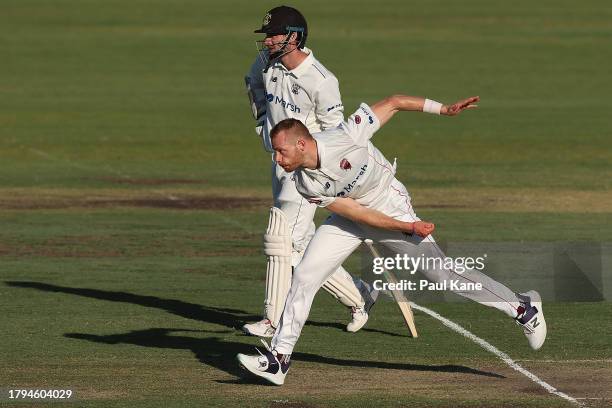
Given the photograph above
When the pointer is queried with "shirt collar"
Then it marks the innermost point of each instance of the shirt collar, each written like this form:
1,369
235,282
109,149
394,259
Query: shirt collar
300,69
322,160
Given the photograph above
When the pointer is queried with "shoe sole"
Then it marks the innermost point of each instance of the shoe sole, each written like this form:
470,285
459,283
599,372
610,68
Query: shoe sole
267,376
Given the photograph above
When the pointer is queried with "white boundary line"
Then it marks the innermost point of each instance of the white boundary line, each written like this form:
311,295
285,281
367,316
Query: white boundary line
503,356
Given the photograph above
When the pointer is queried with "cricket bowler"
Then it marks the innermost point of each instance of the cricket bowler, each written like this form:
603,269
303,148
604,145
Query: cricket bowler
287,81
341,170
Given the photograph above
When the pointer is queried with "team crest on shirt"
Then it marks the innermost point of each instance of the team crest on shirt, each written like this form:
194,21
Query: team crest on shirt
345,164
357,119
267,19
295,88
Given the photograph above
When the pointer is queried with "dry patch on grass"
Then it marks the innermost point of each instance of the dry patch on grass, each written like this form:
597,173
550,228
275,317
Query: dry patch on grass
149,181
588,380
477,385
190,198
112,247
580,381
180,199
451,389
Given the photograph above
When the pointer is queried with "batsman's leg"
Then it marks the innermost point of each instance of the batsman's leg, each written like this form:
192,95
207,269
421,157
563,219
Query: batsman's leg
356,295
330,246
278,249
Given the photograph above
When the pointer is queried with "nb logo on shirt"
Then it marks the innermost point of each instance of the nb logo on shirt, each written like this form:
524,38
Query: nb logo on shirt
331,108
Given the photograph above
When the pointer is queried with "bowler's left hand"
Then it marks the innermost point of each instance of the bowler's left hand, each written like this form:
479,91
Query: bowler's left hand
458,107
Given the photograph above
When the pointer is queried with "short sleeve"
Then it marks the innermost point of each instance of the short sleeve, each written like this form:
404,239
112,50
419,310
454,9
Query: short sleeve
312,196
328,102
362,124
320,201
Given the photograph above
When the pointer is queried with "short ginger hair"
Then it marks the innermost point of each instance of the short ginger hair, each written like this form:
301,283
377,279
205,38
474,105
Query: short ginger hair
291,124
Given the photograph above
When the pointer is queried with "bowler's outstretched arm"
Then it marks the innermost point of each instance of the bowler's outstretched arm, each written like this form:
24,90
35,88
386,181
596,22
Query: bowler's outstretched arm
386,108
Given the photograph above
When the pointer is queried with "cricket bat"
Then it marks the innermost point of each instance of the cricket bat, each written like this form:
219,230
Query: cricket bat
398,295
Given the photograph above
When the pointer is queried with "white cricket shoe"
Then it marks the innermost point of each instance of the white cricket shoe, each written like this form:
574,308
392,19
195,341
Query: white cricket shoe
531,318
266,365
360,318
361,314
262,328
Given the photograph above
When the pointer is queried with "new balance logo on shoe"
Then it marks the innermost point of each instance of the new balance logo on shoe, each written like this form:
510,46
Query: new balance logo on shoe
531,318
272,363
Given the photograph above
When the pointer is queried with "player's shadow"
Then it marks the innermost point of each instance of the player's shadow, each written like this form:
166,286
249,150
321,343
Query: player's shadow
211,350
227,317
221,354
223,316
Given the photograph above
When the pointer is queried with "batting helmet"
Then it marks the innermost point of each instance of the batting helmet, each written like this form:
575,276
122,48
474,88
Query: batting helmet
285,20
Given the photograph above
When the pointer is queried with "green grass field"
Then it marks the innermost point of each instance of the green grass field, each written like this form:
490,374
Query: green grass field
134,192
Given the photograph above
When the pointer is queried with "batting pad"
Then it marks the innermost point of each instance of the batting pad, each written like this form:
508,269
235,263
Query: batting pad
341,286
278,248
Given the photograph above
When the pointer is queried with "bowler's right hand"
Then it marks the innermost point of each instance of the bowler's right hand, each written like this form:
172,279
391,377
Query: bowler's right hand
422,228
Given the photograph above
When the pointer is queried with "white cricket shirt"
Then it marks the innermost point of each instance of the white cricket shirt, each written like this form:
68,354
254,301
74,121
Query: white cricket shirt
309,93
350,165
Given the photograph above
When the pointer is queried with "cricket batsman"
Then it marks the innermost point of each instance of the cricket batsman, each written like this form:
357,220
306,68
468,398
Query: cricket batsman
341,170
287,81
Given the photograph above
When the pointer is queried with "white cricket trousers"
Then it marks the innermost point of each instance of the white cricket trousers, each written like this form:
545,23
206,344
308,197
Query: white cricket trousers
338,237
